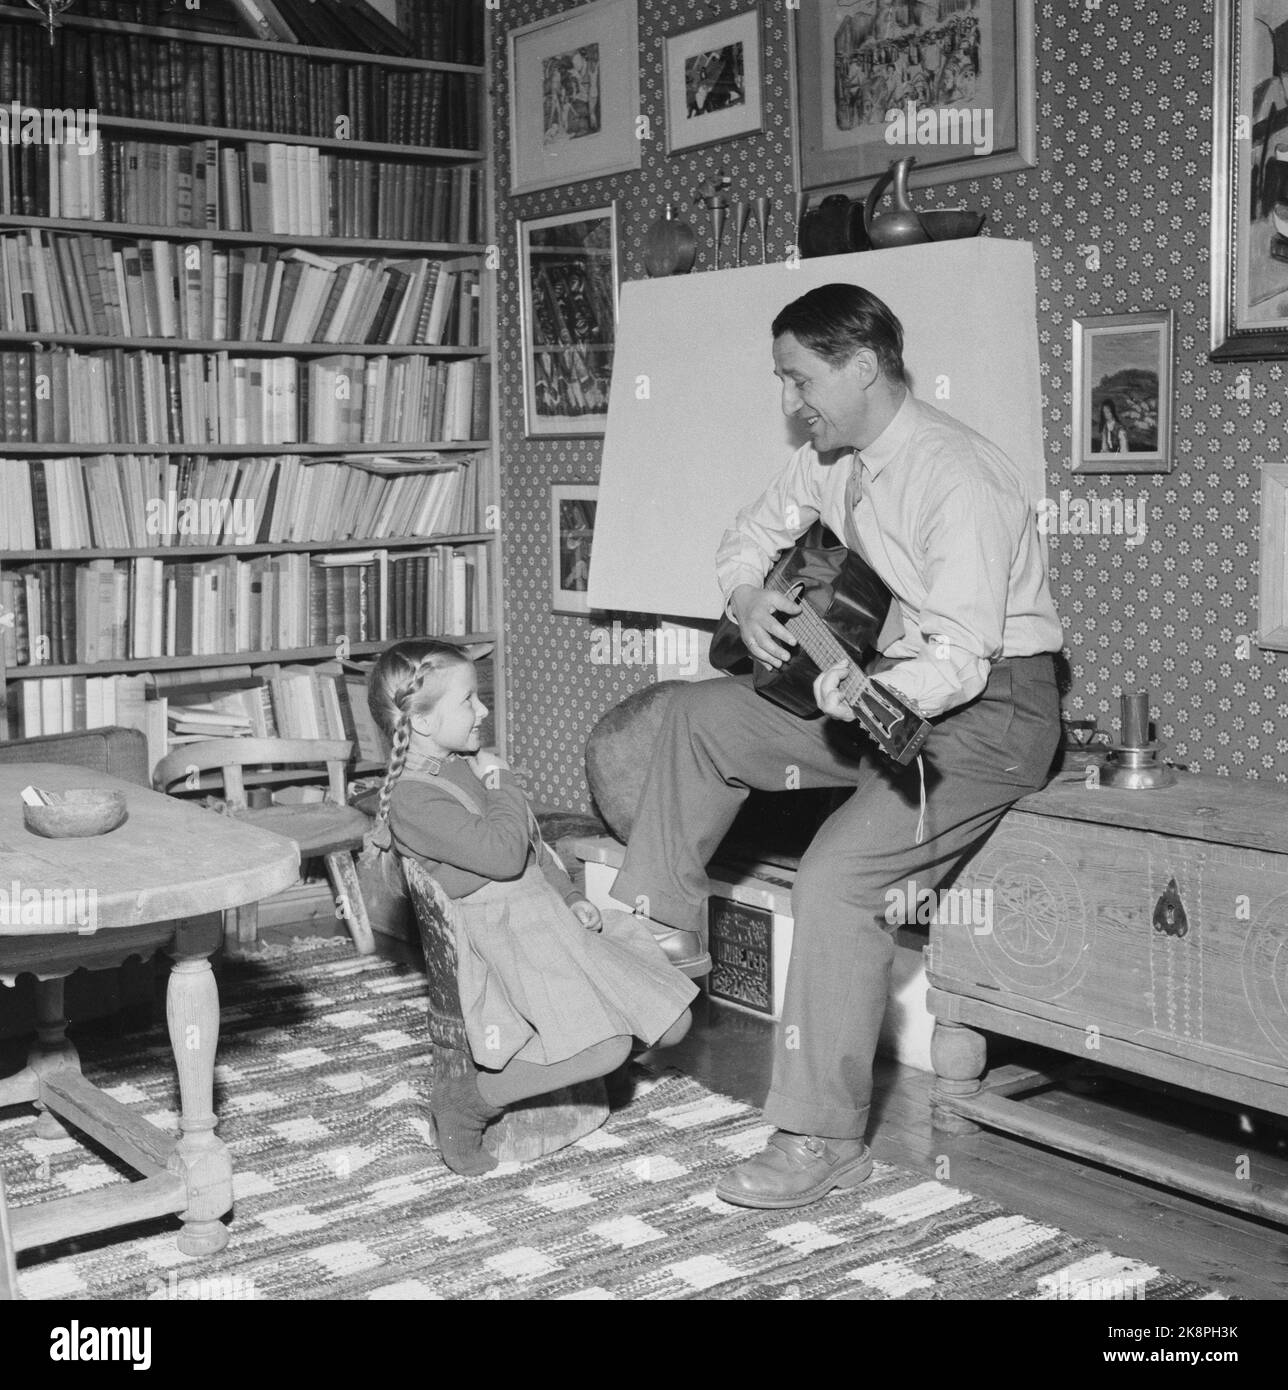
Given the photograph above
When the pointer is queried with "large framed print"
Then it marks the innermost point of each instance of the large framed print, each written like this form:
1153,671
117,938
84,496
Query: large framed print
1122,393
714,89
568,313
949,81
574,96
1250,181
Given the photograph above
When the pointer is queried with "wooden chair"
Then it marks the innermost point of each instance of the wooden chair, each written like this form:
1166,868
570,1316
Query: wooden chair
8,1268
330,829
540,1125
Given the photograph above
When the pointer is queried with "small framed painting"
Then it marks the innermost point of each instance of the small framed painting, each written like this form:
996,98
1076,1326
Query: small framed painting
572,533
574,96
568,314
714,89
1122,393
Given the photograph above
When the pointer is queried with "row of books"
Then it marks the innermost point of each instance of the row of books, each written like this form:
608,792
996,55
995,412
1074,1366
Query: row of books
443,30
268,187
69,704
66,613
138,397
322,700
450,31
74,282
124,501
239,88
144,502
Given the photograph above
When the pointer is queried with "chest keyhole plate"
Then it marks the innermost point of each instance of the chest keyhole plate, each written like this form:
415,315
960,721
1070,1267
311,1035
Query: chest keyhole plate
1169,912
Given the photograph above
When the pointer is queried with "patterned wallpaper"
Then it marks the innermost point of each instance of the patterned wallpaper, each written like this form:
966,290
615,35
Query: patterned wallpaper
1124,95
556,692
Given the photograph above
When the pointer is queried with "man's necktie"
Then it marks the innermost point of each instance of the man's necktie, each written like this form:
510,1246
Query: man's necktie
853,492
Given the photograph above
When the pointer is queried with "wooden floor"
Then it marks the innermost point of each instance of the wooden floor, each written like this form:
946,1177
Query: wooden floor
729,1051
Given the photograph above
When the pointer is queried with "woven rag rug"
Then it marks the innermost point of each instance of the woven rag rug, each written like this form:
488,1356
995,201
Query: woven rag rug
320,1091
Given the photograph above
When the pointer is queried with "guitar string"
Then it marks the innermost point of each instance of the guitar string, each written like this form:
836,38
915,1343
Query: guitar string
808,619
857,682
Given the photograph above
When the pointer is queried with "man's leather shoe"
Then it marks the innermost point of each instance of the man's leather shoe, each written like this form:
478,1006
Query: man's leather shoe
682,948
795,1170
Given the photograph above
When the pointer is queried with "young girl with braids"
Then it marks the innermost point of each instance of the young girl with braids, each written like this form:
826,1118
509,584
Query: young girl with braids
557,991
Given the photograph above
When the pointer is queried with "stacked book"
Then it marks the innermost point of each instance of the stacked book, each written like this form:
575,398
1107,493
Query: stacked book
146,607
131,501
267,187
140,397
71,703
69,282
450,31
241,88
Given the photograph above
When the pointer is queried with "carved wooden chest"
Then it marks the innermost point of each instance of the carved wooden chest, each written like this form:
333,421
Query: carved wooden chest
1146,930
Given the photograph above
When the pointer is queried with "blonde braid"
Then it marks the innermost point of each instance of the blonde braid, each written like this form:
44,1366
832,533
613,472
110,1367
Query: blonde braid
380,838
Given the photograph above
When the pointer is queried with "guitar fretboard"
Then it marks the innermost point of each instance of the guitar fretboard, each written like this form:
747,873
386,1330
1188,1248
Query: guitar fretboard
819,643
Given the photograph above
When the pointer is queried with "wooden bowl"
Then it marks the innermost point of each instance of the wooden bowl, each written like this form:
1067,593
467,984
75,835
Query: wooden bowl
951,224
80,811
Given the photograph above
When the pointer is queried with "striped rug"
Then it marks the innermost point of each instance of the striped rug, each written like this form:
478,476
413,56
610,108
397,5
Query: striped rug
338,1193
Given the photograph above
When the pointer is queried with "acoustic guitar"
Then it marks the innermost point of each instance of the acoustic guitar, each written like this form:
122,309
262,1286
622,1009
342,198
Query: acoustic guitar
844,603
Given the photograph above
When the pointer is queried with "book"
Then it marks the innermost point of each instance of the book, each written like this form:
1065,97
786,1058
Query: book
254,20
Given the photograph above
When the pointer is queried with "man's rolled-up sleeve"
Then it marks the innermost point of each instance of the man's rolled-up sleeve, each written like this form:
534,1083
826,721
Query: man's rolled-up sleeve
787,507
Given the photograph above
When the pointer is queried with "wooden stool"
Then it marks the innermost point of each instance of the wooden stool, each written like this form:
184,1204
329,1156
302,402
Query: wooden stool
541,1125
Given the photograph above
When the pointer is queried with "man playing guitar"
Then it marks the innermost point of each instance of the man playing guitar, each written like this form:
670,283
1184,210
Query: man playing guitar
940,514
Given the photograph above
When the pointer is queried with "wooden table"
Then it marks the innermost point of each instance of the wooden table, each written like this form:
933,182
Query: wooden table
160,881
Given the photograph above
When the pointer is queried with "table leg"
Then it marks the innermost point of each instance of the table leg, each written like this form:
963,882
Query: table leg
53,1050
959,1056
192,1012
8,1268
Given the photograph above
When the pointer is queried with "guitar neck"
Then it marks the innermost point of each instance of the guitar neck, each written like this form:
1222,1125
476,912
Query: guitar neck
897,729
820,645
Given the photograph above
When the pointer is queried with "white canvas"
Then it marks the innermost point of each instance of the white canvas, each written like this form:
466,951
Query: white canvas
695,426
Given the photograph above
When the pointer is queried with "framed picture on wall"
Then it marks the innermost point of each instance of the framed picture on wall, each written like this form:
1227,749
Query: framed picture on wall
952,84
572,532
1250,181
568,315
1122,393
574,96
714,88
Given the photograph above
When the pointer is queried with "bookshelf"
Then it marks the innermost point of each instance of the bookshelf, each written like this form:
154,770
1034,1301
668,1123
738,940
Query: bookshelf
245,367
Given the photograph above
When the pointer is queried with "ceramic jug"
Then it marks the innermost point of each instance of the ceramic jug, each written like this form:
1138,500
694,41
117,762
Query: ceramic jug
902,227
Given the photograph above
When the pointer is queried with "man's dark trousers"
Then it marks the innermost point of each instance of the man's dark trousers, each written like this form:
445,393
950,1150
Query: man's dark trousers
720,738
